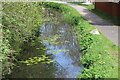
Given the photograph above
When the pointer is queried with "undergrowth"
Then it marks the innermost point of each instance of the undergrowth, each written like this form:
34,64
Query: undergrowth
20,20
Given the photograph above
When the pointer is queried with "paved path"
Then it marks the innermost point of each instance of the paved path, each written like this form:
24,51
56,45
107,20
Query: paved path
107,28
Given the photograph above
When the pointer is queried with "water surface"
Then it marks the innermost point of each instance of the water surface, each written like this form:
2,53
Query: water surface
59,37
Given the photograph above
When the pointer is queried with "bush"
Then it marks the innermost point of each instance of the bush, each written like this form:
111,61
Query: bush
20,21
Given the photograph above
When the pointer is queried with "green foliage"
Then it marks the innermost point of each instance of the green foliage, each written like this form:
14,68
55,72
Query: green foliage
20,20
96,58
72,15
4,59
36,60
53,40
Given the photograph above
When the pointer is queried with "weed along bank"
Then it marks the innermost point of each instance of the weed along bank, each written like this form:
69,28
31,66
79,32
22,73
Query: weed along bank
52,40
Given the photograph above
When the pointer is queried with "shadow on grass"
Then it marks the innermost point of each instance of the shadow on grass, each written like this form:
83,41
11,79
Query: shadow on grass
107,17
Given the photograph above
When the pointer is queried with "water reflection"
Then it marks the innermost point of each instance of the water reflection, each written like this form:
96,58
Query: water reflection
57,35
39,70
67,63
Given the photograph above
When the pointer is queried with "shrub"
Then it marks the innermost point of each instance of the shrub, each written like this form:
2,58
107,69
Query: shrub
20,21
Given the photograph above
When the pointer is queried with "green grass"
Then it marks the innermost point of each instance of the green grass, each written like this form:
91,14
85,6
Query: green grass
99,13
98,54
99,58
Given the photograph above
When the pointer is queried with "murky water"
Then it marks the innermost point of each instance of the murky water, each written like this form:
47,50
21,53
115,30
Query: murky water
59,37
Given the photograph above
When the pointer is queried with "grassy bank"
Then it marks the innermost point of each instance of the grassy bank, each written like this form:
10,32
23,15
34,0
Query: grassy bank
20,20
98,54
99,13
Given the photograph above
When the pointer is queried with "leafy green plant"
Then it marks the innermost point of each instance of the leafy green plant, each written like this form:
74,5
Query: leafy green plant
20,20
36,60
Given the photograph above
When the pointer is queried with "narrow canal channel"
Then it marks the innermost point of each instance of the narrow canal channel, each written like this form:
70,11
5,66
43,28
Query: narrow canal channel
61,43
